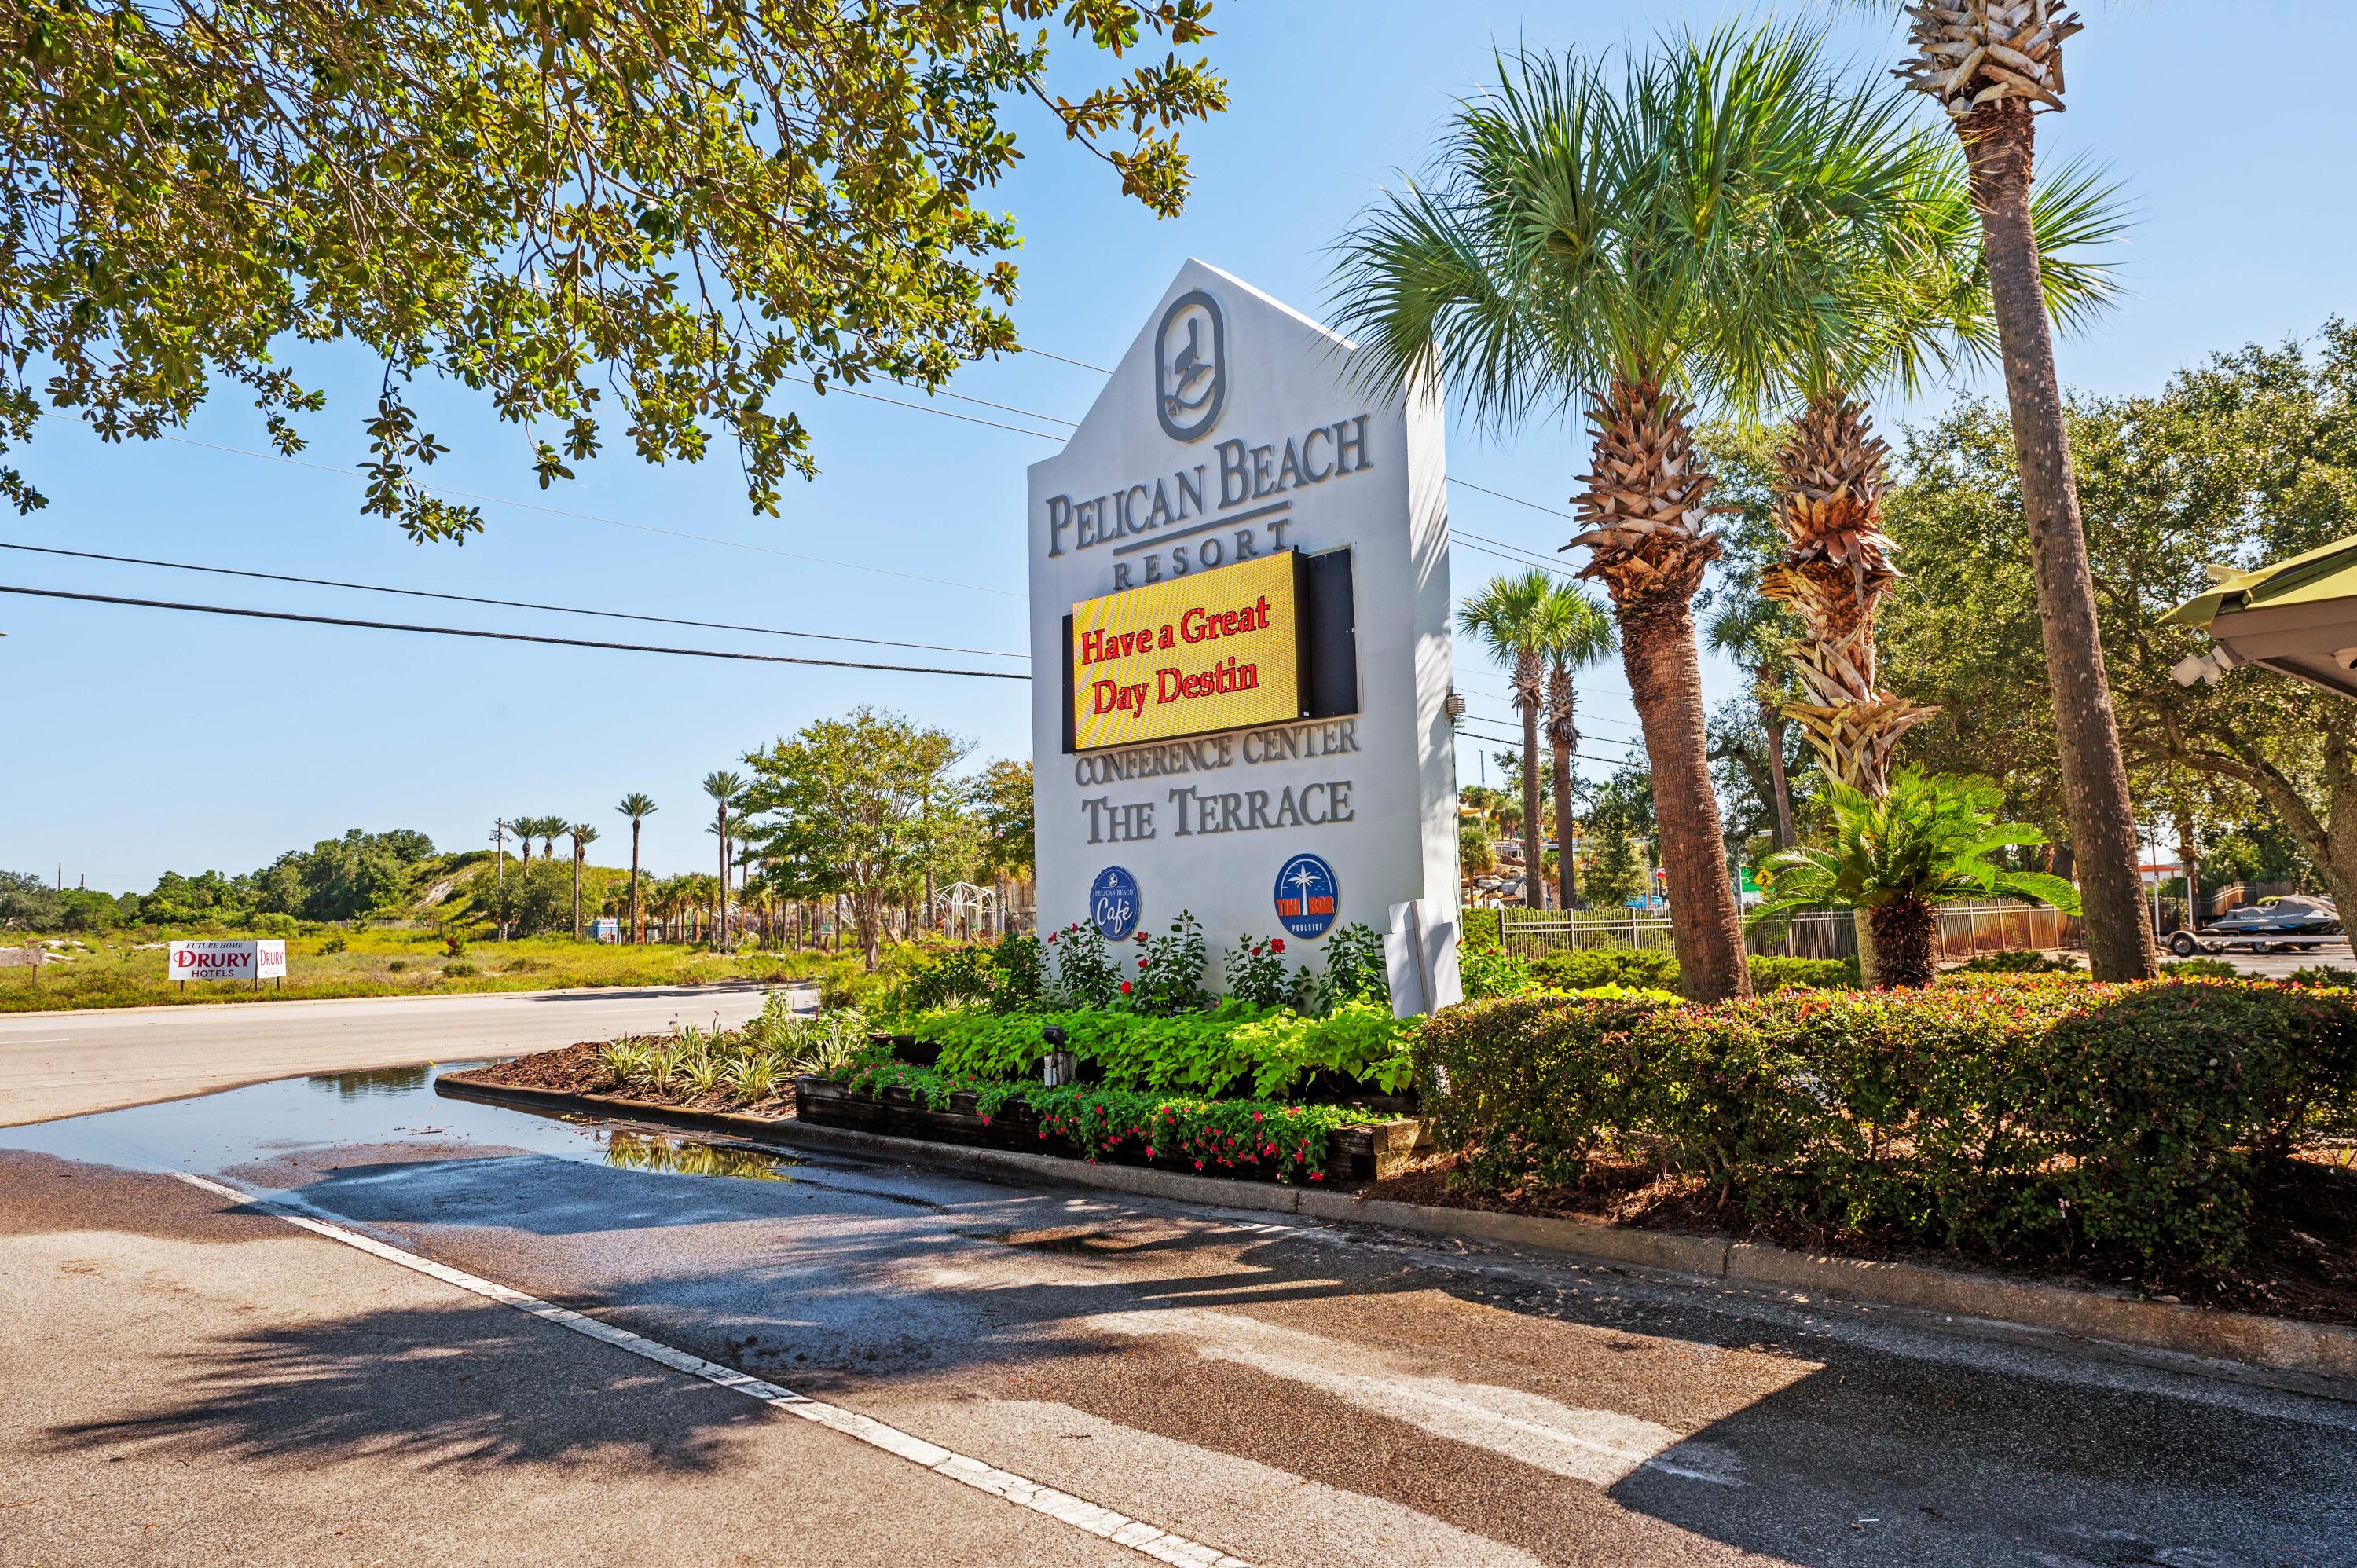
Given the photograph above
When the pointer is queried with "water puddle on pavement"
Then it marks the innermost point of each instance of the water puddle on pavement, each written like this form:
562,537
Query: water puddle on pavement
217,1134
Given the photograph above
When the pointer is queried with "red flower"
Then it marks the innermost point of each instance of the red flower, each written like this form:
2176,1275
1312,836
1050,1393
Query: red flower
1124,988
1141,964
1276,944
1139,938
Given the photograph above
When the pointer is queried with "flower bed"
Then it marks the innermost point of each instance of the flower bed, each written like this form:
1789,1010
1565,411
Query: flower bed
1254,1139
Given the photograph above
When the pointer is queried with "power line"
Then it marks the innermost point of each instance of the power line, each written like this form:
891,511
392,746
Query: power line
1458,535
505,635
506,604
1513,715
944,413
1082,364
1516,741
593,517
1518,500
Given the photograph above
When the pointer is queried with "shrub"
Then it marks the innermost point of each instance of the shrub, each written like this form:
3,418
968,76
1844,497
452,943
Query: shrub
2019,961
2199,969
1487,970
1587,967
1168,975
1356,968
2037,1120
2325,974
1255,973
845,984
273,925
1773,973
460,970
1480,926
333,944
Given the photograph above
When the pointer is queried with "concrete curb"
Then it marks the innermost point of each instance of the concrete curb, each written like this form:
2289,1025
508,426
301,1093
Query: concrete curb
2249,1340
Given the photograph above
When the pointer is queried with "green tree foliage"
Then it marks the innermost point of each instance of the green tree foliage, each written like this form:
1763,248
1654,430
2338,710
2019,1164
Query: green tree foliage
861,801
1003,804
672,209
2245,459
343,879
1614,874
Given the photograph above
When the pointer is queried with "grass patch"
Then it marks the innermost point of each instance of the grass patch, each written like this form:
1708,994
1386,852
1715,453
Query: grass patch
127,970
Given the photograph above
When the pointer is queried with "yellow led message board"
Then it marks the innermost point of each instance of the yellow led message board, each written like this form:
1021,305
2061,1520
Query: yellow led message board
1211,651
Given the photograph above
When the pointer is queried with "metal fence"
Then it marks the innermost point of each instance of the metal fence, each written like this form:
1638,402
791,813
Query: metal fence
1965,929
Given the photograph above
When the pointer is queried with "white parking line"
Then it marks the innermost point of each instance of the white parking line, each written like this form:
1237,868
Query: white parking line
1118,1528
1600,1446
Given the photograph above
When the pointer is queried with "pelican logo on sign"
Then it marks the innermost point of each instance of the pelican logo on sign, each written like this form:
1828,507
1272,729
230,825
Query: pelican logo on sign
1307,896
1191,366
1113,903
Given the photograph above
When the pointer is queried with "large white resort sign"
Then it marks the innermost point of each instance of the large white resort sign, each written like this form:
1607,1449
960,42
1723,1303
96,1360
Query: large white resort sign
1240,637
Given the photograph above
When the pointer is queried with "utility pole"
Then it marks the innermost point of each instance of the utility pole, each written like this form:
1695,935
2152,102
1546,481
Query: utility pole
500,850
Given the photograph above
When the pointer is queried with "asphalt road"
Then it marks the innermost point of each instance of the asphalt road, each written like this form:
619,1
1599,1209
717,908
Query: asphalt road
64,1064
209,1384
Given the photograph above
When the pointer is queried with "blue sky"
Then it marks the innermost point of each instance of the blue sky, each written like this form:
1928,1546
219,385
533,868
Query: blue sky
142,740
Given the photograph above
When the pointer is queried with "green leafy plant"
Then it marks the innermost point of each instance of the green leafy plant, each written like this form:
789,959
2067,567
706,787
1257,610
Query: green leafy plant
1255,972
1486,971
1169,977
2201,969
1085,973
1355,967
1931,838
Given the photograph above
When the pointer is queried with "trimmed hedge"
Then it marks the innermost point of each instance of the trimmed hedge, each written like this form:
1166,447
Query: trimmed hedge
2042,1122
1650,968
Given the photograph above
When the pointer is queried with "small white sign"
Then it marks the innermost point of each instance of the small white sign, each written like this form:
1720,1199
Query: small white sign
186,960
1420,960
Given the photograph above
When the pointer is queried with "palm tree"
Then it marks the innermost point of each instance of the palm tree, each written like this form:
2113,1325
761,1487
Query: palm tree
1896,858
584,836
524,828
1580,633
638,808
1993,65
1626,245
727,789
1510,618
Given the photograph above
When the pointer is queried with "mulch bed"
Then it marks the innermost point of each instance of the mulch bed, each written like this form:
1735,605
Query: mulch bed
2302,1262
577,1070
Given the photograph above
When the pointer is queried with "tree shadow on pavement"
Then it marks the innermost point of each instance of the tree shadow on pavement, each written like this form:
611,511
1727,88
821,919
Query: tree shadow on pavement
457,1386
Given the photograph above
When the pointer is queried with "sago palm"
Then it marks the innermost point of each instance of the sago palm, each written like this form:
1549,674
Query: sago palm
1511,619
1580,633
1626,241
638,808
1994,65
1929,839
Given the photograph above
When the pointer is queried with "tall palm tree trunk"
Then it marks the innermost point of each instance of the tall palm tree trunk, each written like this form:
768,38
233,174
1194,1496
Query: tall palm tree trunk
1563,734
577,894
1780,789
638,925
1645,506
1533,826
1998,144
1665,682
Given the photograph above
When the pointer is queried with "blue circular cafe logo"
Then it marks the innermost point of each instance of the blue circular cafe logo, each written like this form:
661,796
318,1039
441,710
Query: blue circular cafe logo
1307,896
1113,903
1191,366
